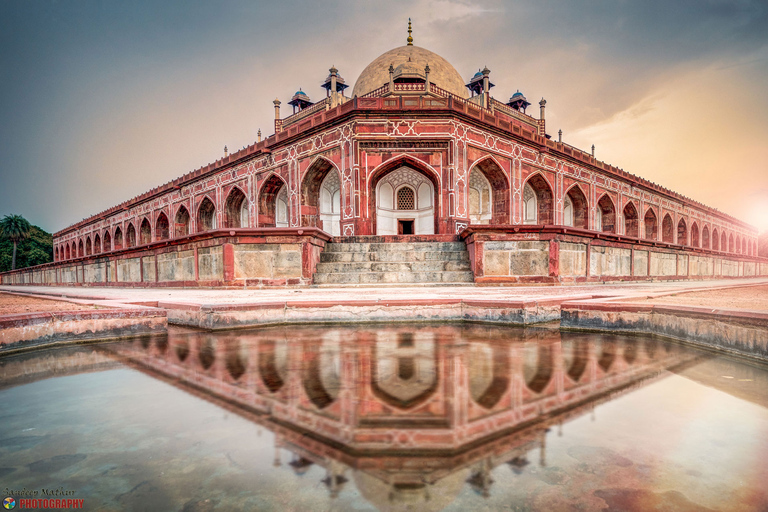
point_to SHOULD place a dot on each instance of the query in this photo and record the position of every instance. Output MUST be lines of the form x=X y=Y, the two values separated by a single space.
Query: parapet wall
x=544 y=254
x=289 y=256
x=224 y=258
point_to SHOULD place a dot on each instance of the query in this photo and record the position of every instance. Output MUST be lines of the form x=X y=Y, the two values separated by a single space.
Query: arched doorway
x=715 y=240
x=405 y=203
x=145 y=232
x=321 y=197
x=206 y=216
x=273 y=203
x=705 y=237
x=107 y=242
x=330 y=204
x=695 y=235
x=651 y=225
x=682 y=232
x=480 y=206
x=606 y=215
x=130 y=235
x=181 y=222
x=630 y=220
x=537 y=201
x=489 y=194
x=667 y=235
x=575 y=208
x=236 y=210
x=161 y=227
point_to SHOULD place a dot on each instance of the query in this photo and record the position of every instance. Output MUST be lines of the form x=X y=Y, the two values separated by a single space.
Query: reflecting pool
x=396 y=417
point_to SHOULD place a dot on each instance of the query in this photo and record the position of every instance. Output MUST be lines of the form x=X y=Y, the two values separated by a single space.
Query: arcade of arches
x=409 y=199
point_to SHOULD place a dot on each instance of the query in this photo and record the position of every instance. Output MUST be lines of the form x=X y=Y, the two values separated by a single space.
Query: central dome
x=441 y=72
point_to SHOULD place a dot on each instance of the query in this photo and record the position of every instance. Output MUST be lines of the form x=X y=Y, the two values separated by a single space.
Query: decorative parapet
x=309 y=111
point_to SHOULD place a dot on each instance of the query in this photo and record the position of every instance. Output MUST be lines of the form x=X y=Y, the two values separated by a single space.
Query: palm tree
x=15 y=228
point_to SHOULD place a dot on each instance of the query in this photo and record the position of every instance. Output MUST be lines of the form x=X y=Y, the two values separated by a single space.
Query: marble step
x=394 y=266
x=395 y=247
x=394 y=256
x=393 y=277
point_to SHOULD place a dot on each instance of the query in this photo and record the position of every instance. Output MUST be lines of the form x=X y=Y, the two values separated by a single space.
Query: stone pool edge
x=738 y=332
x=24 y=331
x=742 y=333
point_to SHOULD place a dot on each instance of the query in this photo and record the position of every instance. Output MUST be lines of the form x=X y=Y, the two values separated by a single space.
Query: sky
x=102 y=100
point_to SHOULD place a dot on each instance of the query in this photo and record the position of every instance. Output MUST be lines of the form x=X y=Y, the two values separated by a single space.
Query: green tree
x=15 y=228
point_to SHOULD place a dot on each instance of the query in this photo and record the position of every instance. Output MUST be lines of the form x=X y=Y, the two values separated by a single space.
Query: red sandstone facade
x=535 y=189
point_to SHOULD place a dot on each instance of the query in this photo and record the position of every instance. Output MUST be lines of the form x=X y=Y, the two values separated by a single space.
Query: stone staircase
x=374 y=260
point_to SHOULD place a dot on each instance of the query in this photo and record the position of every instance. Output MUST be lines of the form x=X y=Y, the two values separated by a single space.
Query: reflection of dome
x=441 y=72
x=410 y=496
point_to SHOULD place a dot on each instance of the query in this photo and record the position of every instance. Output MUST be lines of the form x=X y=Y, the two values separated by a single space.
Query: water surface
x=398 y=417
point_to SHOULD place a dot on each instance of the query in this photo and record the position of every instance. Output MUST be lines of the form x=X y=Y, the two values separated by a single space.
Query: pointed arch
x=651 y=225
x=269 y=210
x=694 y=234
x=715 y=240
x=80 y=249
x=494 y=173
x=273 y=364
x=667 y=230
x=682 y=232
x=118 y=238
x=606 y=214
x=56 y=253
x=107 y=241
x=409 y=162
x=723 y=242
x=181 y=222
x=538 y=366
x=539 y=208
x=130 y=235
x=236 y=209
x=488 y=373
x=68 y=254
x=575 y=354
x=162 y=228
x=578 y=214
x=311 y=185
x=96 y=244
x=145 y=232
x=206 y=215
x=630 y=220
x=88 y=246
x=705 y=237
x=731 y=245
x=321 y=376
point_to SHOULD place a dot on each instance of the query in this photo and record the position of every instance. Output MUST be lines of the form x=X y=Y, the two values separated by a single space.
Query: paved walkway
x=271 y=295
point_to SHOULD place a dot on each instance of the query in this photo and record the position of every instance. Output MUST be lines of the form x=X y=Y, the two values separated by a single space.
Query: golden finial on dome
x=410 y=39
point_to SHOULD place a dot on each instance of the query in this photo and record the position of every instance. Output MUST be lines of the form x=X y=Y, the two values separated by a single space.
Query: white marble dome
x=441 y=72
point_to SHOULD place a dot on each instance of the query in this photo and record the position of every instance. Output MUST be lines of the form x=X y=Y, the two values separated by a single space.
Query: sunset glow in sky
x=103 y=100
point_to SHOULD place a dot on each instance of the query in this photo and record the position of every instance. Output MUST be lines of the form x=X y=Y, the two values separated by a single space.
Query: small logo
x=9 y=503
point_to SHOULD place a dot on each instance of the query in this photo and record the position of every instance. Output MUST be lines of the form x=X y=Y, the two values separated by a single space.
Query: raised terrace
x=414 y=156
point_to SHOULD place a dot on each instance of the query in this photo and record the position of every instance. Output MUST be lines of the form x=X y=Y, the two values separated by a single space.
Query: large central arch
x=402 y=191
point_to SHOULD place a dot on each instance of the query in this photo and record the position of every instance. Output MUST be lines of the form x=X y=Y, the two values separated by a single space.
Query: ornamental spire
x=410 y=38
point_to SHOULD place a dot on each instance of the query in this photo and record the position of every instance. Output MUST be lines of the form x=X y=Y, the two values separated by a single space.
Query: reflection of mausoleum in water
x=412 y=151
x=410 y=414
